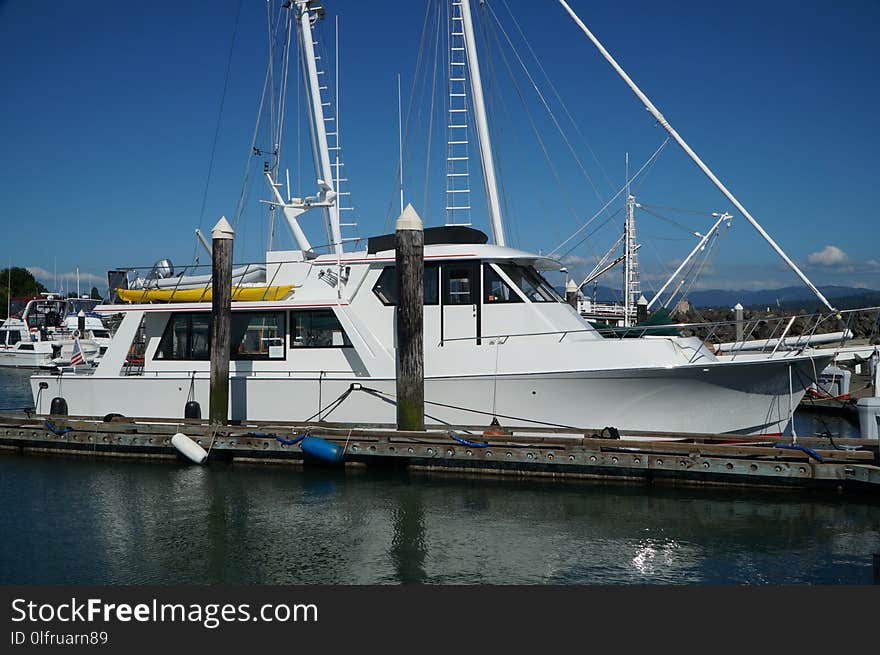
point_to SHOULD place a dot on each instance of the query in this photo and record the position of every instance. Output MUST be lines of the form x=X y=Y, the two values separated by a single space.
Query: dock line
x=809 y=451
x=56 y=430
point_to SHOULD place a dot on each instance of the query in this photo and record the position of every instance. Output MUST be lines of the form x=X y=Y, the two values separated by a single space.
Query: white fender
x=189 y=448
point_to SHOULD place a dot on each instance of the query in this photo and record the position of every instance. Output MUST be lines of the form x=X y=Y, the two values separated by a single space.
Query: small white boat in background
x=38 y=335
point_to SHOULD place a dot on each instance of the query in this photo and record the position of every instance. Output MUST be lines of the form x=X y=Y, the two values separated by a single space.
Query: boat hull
x=751 y=397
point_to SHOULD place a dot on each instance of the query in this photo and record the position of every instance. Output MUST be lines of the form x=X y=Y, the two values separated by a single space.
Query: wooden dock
x=704 y=459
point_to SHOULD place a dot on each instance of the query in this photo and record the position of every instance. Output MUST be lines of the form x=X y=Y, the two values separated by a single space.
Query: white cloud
x=828 y=256
x=85 y=279
x=577 y=260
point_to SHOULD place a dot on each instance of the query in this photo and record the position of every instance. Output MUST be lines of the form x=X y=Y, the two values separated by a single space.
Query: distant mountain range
x=797 y=297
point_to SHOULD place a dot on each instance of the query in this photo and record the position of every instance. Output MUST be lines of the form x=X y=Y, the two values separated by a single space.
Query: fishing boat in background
x=37 y=335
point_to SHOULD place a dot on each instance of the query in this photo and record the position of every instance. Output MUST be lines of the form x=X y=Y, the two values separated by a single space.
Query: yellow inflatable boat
x=203 y=294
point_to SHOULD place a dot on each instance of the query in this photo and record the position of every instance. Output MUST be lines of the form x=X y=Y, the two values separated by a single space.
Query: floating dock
x=839 y=464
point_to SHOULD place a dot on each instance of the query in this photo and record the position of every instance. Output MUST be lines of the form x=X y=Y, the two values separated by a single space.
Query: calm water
x=76 y=520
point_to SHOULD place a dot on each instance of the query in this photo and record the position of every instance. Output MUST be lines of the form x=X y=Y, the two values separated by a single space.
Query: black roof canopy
x=444 y=234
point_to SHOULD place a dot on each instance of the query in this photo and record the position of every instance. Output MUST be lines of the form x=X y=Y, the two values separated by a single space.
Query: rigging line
x=679 y=209
x=669 y=220
x=589 y=234
x=559 y=97
x=426 y=206
x=613 y=198
x=496 y=128
x=247 y=168
x=660 y=238
x=687 y=274
x=546 y=106
x=706 y=259
x=410 y=104
x=546 y=154
x=271 y=38
x=219 y=115
x=282 y=95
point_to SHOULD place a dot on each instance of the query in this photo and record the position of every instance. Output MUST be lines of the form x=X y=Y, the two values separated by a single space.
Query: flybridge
x=442 y=235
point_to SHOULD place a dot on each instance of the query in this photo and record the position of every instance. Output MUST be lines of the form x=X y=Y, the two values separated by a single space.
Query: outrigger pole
x=699 y=162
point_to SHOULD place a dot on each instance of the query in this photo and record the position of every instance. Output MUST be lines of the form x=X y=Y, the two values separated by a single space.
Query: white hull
x=25 y=359
x=685 y=399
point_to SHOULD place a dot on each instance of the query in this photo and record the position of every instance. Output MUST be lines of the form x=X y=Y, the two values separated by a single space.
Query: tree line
x=17 y=282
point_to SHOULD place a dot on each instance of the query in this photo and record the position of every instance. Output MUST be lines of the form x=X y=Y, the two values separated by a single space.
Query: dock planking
x=663 y=458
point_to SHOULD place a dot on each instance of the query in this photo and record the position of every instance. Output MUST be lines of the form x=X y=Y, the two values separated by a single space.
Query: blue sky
x=109 y=114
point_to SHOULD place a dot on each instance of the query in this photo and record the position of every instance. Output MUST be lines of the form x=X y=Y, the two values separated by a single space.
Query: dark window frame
x=432 y=271
x=474 y=275
x=516 y=297
x=259 y=357
x=233 y=355
x=164 y=340
x=304 y=346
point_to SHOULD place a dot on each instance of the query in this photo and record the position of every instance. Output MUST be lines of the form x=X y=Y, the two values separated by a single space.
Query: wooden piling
x=641 y=310
x=410 y=250
x=738 y=313
x=221 y=316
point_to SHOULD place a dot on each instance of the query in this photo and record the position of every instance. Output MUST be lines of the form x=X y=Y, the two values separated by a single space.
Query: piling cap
x=642 y=300
x=571 y=287
x=223 y=230
x=81 y=314
x=409 y=220
x=738 y=307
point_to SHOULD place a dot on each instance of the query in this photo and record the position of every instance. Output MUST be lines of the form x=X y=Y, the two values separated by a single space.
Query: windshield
x=85 y=304
x=535 y=287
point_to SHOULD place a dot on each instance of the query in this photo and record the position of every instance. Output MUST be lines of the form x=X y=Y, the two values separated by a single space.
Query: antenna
x=400 y=142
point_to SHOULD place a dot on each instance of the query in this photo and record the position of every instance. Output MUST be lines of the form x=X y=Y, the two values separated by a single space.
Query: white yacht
x=498 y=341
x=35 y=335
x=94 y=330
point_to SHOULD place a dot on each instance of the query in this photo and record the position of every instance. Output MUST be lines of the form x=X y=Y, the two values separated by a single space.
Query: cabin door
x=460 y=299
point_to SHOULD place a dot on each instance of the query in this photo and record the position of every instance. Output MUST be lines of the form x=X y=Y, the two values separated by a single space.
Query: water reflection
x=124 y=522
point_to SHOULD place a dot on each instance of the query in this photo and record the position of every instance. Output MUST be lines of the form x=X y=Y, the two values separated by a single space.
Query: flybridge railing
x=767 y=334
x=760 y=335
x=244 y=276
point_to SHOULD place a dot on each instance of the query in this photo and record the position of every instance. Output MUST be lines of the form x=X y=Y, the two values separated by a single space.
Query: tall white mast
x=322 y=147
x=488 y=164
x=684 y=146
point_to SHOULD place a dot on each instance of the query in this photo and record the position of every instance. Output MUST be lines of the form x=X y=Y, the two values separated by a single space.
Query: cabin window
x=461 y=283
x=535 y=287
x=258 y=335
x=386 y=286
x=26 y=346
x=253 y=336
x=186 y=336
x=496 y=290
x=13 y=336
x=317 y=329
x=101 y=334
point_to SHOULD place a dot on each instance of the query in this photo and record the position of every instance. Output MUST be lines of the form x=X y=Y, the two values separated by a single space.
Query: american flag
x=76 y=357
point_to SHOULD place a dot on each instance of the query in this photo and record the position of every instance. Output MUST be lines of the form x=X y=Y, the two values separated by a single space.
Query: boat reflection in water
x=136 y=523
